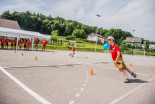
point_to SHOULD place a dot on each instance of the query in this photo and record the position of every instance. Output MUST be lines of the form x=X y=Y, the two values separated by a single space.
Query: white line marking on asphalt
x=130 y=92
x=82 y=89
x=146 y=75
x=86 y=81
x=84 y=84
x=77 y=95
x=31 y=92
x=71 y=102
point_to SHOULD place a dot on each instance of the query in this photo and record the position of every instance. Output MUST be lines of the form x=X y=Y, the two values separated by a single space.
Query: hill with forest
x=59 y=26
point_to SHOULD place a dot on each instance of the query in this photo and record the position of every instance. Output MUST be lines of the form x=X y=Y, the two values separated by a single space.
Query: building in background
x=94 y=37
x=9 y=24
x=134 y=40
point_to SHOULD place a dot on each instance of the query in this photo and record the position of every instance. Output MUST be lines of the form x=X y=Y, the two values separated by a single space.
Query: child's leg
x=132 y=73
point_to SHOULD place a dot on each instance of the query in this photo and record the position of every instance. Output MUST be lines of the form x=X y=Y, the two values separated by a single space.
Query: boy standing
x=117 y=59
x=15 y=42
x=11 y=43
x=6 y=43
x=2 y=43
x=25 y=45
x=36 y=43
x=20 y=43
x=44 y=44
x=28 y=44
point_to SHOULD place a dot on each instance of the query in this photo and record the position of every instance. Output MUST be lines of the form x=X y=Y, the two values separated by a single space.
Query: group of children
x=27 y=43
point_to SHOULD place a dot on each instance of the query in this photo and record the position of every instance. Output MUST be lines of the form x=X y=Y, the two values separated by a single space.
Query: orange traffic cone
x=86 y=57
x=91 y=72
x=130 y=64
x=53 y=52
x=22 y=54
x=15 y=51
x=69 y=55
x=36 y=58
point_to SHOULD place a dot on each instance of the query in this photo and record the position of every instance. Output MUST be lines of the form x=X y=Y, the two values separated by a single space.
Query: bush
x=70 y=37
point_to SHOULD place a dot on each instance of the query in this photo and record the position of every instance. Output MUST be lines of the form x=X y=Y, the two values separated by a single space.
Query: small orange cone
x=15 y=51
x=53 y=52
x=91 y=72
x=130 y=64
x=86 y=57
x=69 y=55
x=22 y=54
x=36 y=58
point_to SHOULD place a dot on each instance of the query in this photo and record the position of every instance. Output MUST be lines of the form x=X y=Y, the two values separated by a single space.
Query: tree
x=79 y=33
x=54 y=35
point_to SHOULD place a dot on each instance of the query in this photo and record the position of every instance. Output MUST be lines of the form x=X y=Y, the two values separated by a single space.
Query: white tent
x=22 y=34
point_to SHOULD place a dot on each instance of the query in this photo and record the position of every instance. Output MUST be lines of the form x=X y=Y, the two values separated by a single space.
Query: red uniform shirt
x=20 y=42
x=73 y=49
x=24 y=43
x=114 y=51
x=37 y=41
x=44 y=42
x=11 y=42
x=6 y=40
x=28 y=43
x=15 y=42
x=2 y=42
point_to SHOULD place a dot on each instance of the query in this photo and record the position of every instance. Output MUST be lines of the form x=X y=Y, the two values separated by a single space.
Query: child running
x=73 y=50
x=117 y=59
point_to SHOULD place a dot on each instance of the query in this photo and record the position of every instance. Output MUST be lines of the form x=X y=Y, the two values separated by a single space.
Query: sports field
x=56 y=78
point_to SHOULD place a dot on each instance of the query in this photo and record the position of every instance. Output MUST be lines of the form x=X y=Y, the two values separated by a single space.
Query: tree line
x=58 y=26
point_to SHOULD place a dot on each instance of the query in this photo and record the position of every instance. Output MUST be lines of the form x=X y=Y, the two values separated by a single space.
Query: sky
x=128 y=15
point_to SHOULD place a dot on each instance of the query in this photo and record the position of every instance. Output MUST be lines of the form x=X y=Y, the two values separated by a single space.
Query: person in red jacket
x=6 y=42
x=28 y=44
x=36 y=43
x=11 y=43
x=117 y=59
x=44 y=44
x=25 y=45
x=15 y=42
x=20 y=43
x=2 y=43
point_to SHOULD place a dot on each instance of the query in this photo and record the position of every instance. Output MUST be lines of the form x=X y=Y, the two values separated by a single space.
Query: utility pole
x=97 y=30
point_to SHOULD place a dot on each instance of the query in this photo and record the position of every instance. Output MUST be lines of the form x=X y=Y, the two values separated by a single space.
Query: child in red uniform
x=36 y=43
x=6 y=42
x=20 y=43
x=12 y=44
x=117 y=59
x=28 y=44
x=25 y=45
x=15 y=42
x=44 y=44
x=2 y=43
x=73 y=50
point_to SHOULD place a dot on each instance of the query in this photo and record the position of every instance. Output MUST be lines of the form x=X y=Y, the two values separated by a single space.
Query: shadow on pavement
x=138 y=81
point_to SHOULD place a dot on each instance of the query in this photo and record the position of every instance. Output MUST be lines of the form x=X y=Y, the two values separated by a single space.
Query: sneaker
x=133 y=74
x=126 y=81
